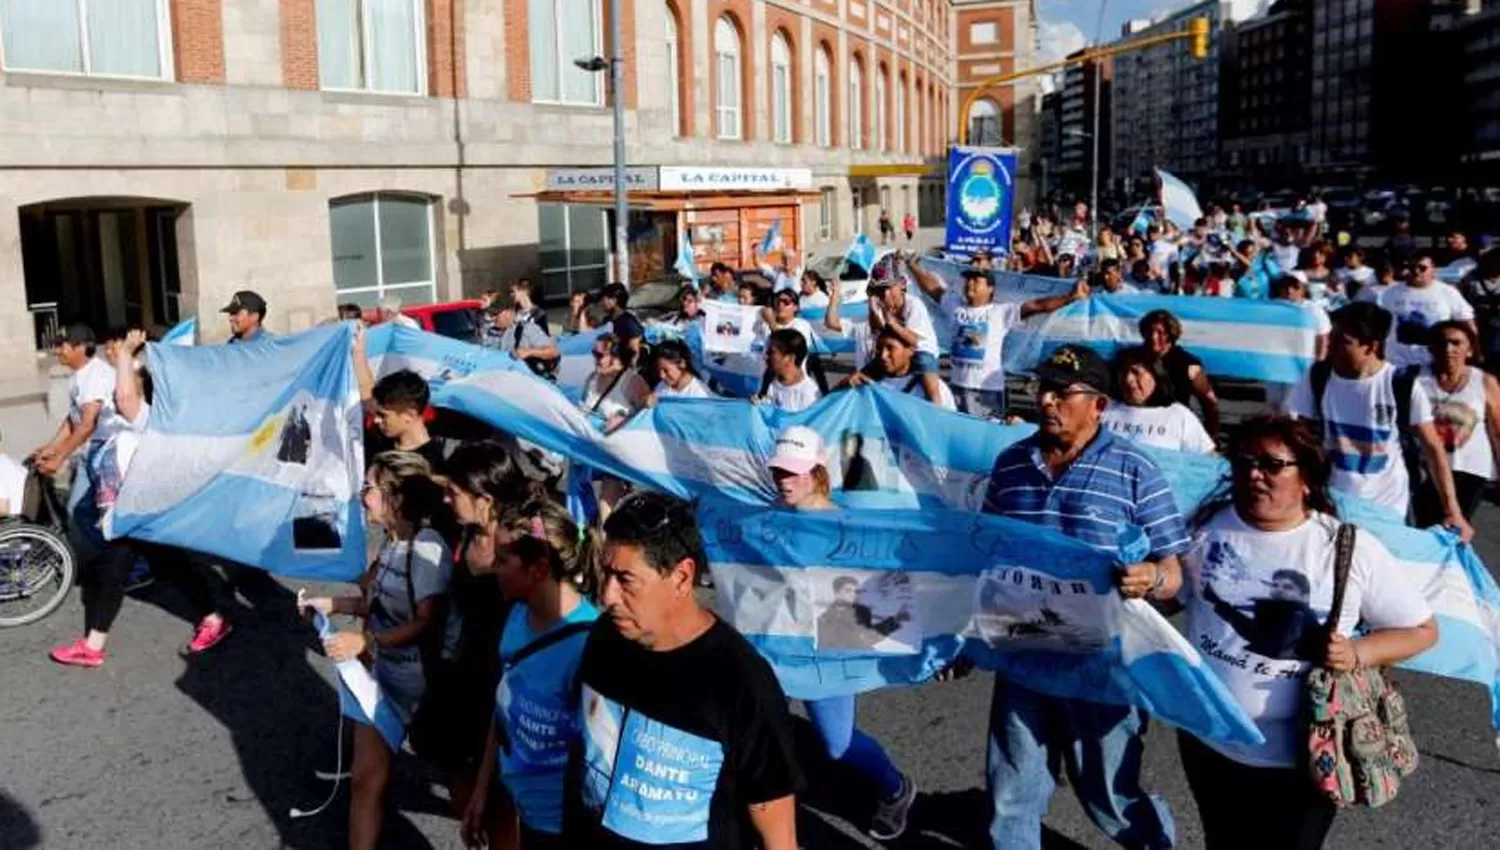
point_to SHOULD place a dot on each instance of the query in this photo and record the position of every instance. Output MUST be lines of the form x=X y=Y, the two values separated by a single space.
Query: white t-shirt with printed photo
x=1415 y=309
x=978 y=337
x=1256 y=602
x=1362 y=435
x=795 y=398
x=1172 y=427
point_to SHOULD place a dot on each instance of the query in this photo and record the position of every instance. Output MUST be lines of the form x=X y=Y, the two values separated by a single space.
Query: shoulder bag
x=1359 y=745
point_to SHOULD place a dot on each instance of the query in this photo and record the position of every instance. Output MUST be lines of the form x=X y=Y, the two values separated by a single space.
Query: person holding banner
x=674 y=363
x=979 y=329
x=908 y=319
x=1258 y=587
x=674 y=701
x=895 y=367
x=1075 y=477
x=614 y=391
x=799 y=466
x=790 y=388
x=406 y=630
x=548 y=567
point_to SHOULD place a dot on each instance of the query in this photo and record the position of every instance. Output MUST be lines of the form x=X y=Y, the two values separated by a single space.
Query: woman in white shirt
x=614 y=391
x=1144 y=411
x=1258 y=583
x=814 y=291
x=674 y=363
x=1466 y=412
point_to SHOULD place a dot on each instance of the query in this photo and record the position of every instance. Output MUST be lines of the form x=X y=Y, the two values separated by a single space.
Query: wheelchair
x=37 y=563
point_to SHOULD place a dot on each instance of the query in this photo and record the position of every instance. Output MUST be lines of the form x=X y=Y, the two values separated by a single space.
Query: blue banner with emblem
x=981 y=195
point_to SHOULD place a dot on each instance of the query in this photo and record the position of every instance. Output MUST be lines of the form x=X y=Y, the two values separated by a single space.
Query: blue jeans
x=834 y=719
x=83 y=506
x=1100 y=746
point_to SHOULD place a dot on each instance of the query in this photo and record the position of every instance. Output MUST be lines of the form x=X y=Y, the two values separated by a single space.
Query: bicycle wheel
x=36 y=571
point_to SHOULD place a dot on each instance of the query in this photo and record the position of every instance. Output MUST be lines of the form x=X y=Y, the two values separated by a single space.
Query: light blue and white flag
x=360 y=697
x=1235 y=338
x=1142 y=221
x=1454 y=272
x=1178 y=202
x=182 y=333
x=253 y=453
x=686 y=265
x=772 y=241
x=861 y=252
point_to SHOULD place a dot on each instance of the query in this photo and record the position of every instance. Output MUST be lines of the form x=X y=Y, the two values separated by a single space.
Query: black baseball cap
x=1074 y=364
x=246 y=300
x=76 y=334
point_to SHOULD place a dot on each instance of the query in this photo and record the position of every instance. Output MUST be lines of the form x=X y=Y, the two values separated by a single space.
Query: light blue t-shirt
x=537 y=708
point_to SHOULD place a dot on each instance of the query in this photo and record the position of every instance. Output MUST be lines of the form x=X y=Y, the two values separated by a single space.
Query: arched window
x=856 y=104
x=901 y=113
x=781 y=90
x=727 y=78
x=823 y=97
x=880 y=109
x=674 y=85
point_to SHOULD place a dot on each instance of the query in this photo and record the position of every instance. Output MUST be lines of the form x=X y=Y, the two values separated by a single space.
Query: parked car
x=460 y=320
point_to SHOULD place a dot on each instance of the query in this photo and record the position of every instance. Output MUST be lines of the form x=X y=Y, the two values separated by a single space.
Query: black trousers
x=1427 y=506
x=1253 y=808
x=103 y=582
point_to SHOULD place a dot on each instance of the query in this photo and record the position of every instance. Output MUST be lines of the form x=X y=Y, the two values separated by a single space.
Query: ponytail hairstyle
x=419 y=498
x=542 y=530
x=817 y=280
x=675 y=351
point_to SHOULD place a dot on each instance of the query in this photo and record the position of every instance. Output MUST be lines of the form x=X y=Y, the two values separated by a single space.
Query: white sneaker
x=890 y=815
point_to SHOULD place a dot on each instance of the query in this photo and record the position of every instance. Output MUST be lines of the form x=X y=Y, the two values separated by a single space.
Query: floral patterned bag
x=1359 y=745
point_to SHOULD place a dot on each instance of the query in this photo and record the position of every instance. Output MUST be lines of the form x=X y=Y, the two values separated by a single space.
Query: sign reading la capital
x=981 y=196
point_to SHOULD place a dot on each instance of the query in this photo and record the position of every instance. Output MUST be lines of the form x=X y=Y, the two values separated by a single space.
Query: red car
x=459 y=320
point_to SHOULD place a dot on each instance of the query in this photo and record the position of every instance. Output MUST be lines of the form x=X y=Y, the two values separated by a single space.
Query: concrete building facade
x=991 y=38
x=1266 y=96
x=160 y=154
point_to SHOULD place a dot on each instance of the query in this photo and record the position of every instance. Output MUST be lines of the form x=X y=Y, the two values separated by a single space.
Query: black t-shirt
x=1179 y=365
x=627 y=326
x=675 y=746
x=435 y=450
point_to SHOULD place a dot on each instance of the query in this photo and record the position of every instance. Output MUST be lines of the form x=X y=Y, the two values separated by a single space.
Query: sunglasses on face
x=1269 y=464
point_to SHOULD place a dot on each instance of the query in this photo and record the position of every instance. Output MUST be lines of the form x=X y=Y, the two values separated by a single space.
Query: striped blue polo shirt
x=1110 y=484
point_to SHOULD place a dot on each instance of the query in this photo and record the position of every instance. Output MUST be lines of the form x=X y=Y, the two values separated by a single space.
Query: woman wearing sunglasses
x=614 y=391
x=407 y=631
x=799 y=467
x=1258 y=584
x=547 y=568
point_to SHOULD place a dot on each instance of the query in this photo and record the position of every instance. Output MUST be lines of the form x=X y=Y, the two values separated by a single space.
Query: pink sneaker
x=77 y=654
x=208 y=634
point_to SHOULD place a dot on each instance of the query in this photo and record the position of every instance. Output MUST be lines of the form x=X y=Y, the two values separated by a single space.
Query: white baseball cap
x=798 y=450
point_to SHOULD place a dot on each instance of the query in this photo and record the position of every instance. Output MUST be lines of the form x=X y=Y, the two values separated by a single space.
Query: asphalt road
x=157 y=751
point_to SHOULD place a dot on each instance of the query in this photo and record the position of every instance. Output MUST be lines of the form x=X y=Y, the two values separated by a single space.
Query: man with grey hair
x=390 y=311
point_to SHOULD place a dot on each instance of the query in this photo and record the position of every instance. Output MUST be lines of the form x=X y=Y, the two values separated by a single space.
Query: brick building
x=990 y=38
x=160 y=154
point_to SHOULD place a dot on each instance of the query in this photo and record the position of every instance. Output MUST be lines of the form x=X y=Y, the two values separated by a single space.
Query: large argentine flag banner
x=1267 y=341
x=253 y=453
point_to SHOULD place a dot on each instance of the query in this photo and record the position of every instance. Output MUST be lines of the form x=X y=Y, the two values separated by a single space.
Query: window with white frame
x=984 y=123
x=382 y=245
x=826 y=201
x=856 y=105
x=901 y=114
x=880 y=110
x=982 y=33
x=781 y=90
x=727 y=78
x=822 y=92
x=674 y=85
x=372 y=45
x=560 y=31
x=102 y=38
x=573 y=248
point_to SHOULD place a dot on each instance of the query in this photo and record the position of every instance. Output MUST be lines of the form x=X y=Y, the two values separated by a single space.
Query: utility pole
x=617 y=93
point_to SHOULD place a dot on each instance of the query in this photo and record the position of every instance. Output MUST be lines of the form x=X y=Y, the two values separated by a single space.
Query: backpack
x=1402 y=384
x=543 y=367
x=1359 y=744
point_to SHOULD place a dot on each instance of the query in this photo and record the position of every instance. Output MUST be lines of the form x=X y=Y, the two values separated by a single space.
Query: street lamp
x=1094 y=169
x=616 y=66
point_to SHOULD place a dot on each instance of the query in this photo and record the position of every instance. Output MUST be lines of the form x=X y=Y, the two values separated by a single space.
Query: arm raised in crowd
x=1080 y=291
x=128 y=399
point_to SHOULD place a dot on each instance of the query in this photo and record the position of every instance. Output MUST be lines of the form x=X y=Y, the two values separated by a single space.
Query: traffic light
x=1198 y=38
